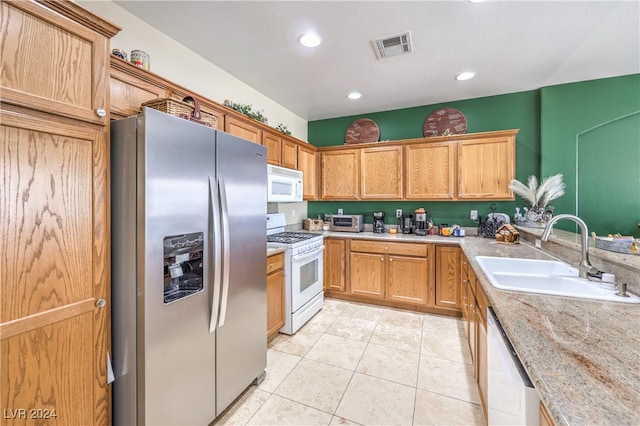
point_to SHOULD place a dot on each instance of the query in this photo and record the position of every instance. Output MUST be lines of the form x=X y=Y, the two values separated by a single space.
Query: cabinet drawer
x=407 y=249
x=275 y=262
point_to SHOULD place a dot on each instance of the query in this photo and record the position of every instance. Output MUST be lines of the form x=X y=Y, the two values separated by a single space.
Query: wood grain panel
x=51 y=63
x=273 y=143
x=243 y=130
x=46 y=227
x=275 y=303
x=335 y=264
x=430 y=171
x=340 y=175
x=407 y=279
x=308 y=166
x=448 y=276
x=408 y=249
x=485 y=168
x=65 y=351
x=381 y=173
x=289 y=154
x=367 y=275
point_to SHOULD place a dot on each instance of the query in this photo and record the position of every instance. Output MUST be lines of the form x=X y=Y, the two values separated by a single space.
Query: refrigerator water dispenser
x=183 y=268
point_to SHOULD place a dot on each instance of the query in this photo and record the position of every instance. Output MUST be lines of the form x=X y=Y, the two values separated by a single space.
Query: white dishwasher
x=512 y=399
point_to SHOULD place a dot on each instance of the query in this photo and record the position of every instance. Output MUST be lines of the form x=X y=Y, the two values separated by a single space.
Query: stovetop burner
x=290 y=237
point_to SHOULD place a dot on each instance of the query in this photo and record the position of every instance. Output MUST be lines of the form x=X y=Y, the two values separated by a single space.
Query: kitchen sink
x=546 y=277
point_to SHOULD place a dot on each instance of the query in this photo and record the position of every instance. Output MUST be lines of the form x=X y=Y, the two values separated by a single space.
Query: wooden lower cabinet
x=396 y=272
x=448 y=277
x=367 y=275
x=474 y=310
x=335 y=261
x=275 y=294
x=407 y=279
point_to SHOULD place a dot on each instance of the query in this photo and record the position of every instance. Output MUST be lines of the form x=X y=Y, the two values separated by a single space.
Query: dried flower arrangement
x=538 y=197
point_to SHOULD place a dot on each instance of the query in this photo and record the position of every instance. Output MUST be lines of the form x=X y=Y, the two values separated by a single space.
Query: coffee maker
x=378 y=222
x=406 y=223
x=422 y=225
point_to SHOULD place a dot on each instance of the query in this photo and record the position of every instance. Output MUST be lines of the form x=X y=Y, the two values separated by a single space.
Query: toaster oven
x=347 y=222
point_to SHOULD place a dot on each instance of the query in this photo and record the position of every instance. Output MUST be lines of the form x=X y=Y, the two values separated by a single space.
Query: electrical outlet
x=340 y=211
x=473 y=215
x=398 y=213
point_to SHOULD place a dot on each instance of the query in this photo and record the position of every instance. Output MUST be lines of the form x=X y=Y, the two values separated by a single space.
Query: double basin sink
x=546 y=277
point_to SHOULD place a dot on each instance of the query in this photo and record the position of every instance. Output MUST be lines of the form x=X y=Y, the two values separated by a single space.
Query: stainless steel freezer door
x=241 y=340
x=174 y=165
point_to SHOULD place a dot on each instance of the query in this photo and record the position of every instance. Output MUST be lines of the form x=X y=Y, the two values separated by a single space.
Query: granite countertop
x=271 y=251
x=583 y=356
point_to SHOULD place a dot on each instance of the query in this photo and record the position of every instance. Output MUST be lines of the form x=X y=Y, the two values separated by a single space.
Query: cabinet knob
x=390 y=259
x=382 y=259
x=101 y=303
x=100 y=112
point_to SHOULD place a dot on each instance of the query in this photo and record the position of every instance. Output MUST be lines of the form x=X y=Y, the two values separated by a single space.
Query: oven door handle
x=306 y=255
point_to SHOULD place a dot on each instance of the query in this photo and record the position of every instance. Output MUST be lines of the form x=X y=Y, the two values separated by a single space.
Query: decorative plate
x=363 y=130
x=444 y=122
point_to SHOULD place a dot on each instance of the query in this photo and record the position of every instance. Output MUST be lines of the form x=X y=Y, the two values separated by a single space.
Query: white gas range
x=303 y=263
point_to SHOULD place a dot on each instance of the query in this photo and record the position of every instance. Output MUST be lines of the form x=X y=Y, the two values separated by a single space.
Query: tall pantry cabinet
x=54 y=214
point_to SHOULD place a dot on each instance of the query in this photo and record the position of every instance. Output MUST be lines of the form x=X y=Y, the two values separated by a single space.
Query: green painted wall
x=513 y=111
x=590 y=132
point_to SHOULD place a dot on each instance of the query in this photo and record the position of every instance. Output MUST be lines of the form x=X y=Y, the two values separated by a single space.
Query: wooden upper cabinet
x=485 y=168
x=242 y=129
x=55 y=64
x=130 y=87
x=340 y=174
x=381 y=174
x=273 y=143
x=289 y=154
x=430 y=170
x=307 y=165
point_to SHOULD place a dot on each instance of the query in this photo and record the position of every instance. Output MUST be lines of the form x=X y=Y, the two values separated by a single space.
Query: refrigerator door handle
x=222 y=188
x=217 y=255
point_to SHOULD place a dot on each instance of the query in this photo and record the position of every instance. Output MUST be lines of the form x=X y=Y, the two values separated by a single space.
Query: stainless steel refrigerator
x=188 y=269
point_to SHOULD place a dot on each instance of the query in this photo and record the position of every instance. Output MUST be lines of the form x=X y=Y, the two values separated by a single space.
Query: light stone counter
x=583 y=356
x=275 y=250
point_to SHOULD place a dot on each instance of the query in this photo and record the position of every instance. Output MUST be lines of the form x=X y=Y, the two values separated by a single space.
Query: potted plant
x=538 y=196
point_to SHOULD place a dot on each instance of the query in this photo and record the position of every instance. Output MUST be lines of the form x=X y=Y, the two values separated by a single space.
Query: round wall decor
x=363 y=130
x=444 y=122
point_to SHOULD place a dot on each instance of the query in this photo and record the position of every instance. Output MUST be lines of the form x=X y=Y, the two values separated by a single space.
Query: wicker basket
x=188 y=108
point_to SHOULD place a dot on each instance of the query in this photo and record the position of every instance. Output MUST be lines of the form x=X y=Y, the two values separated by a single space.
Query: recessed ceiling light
x=310 y=40
x=477 y=1
x=354 y=95
x=465 y=75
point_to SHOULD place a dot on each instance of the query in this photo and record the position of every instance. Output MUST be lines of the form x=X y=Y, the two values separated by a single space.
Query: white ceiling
x=512 y=45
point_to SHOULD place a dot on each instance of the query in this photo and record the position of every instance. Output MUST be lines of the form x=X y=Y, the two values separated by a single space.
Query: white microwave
x=283 y=185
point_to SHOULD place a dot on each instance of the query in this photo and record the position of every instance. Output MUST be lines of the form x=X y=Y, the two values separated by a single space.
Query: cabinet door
x=485 y=168
x=335 y=264
x=482 y=363
x=473 y=332
x=289 y=154
x=54 y=253
x=367 y=274
x=381 y=174
x=52 y=63
x=307 y=165
x=273 y=143
x=430 y=171
x=340 y=174
x=407 y=279
x=448 y=276
x=275 y=303
x=242 y=129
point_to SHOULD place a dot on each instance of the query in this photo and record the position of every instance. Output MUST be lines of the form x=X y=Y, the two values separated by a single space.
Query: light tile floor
x=361 y=364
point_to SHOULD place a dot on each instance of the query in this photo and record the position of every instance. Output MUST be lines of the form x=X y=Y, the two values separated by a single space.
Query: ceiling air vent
x=398 y=44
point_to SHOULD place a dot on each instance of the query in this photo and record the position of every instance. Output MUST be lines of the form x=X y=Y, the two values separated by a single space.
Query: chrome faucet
x=585 y=267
